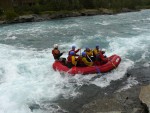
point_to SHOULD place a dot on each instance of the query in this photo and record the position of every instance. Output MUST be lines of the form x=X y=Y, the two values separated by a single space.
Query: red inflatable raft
x=110 y=65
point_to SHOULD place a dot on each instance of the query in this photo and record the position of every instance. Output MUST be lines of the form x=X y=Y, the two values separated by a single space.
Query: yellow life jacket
x=89 y=53
x=73 y=60
x=96 y=51
x=87 y=63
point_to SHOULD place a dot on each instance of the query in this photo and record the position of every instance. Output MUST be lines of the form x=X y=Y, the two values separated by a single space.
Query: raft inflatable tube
x=113 y=63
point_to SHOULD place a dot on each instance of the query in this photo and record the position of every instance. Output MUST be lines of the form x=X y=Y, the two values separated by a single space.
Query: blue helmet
x=72 y=53
x=83 y=53
x=97 y=46
x=73 y=46
x=87 y=49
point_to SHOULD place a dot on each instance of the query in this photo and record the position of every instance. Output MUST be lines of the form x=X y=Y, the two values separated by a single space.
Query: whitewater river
x=28 y=83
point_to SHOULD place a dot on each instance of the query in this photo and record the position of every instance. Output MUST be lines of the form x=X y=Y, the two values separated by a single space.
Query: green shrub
x=36 y=9
x=1 y=12
x=10 y=15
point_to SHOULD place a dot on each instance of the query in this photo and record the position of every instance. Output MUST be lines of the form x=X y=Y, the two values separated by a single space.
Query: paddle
x=98 y=70
x=89 y=58
x=110 y=60
x=80 y=52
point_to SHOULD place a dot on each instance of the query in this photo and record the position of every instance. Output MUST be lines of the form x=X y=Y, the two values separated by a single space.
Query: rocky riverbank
x=62 y=14
x=111 y=99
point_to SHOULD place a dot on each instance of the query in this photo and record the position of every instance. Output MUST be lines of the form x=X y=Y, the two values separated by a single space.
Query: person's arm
x=87 y=62
x=53 y=52
x=59 y=55
x=77 y=50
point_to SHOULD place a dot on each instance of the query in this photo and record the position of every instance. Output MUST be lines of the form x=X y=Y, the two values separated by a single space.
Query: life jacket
x=101 y=58
x=95 y=52
x=71 y=61
x=55 y=53
x=86 y=62
x=80 y=62
x=75 y=51
x=89 y=53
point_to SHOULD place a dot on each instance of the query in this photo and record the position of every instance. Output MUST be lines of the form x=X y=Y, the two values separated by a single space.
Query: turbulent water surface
x=26 y=74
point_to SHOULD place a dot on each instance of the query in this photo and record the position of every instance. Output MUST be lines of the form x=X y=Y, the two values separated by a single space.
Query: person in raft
x=96 y=51
x=84 y=62
x=56 y=53
x=99 y=56
x=71 y=60
x=89 y=54
x=73 y=49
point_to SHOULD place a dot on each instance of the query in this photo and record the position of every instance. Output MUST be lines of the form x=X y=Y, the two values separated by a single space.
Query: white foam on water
x=123 y=46
x=27 y=78
x=116 y=74
x=129 y=83
x=104 y=23
x=146 y=64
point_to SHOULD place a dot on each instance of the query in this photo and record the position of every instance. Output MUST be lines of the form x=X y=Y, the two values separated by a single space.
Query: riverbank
x=63 y=14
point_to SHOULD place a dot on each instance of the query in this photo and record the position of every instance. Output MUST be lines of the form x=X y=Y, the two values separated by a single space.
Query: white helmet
x=55 y=45
x=103 y=49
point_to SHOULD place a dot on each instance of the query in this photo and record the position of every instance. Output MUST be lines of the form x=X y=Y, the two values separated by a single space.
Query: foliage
x=1 y=12
x=10 y=14
x=71 y=5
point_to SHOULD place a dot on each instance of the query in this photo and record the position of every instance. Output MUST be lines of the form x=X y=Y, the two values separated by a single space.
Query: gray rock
x=89 y=12
x=2 y=22
x=75 y=14
x=111 y=112
x=126 y=10
x=26 y=18
x=104 y=105
x=137 y=110
x=106 y=11
x=145 y=95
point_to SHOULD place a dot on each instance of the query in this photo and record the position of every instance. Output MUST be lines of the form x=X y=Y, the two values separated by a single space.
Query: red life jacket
x=69 y=59
x=55 y=53
x=102 y=58
x=75 y=51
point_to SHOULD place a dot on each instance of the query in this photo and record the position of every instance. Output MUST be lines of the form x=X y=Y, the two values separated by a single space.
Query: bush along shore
x=12 y=17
